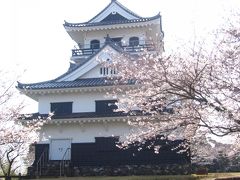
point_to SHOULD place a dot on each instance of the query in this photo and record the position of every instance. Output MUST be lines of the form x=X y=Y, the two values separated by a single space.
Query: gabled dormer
x=131 y=32
x=115 y=11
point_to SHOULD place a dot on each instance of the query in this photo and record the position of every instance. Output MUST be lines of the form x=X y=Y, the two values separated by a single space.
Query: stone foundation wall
x=173 y=169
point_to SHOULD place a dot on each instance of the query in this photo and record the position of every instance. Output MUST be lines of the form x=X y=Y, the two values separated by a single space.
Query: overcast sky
x=33 y=38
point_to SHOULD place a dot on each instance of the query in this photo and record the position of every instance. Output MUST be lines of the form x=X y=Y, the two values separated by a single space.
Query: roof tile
x=87 y=24
x=88 y=82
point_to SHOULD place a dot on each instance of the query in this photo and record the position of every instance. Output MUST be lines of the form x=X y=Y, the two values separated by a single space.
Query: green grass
x=187 y=177
x=210 y=176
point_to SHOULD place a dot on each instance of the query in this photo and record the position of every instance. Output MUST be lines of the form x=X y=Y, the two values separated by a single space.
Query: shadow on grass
x=210 y=176
x=185 y=177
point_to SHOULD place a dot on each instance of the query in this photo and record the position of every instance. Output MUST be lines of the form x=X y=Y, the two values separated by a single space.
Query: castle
x=85 y=128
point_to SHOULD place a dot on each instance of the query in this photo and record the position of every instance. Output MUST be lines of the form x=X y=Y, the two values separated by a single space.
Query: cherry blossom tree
x=184 y=95
x=16 y=134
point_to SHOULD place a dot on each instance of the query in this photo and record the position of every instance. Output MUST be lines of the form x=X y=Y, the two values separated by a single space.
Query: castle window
x=133 y=41
x=95 y=44
x=117 y=41
x=107 y=71
x=61 y=108
x=105 y=106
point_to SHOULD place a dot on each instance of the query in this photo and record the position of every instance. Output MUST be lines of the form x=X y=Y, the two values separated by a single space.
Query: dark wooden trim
x=104 y=152
x=128 y=48
x=39 y=149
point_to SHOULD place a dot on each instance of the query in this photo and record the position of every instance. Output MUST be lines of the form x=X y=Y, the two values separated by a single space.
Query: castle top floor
x=121 y=26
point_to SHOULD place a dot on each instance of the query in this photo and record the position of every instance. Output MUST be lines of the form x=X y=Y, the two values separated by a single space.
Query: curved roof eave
x=26 y=85
x=86 y=24
x=100 y=82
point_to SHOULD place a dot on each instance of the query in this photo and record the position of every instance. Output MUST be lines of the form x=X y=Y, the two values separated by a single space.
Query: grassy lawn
x=210 y=176
x=189 y=177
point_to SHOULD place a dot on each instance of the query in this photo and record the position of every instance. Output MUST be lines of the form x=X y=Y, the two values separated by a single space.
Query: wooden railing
x=139 y=48
x=42 y=161
x=64 y=161
x=127 y=48
x=83 y=52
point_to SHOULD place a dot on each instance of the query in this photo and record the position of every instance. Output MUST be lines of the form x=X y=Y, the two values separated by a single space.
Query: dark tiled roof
x=90 y=115
x=78 y=115
x=73 y=68
x=88 y=82
x=114 y=46
x=87 y=24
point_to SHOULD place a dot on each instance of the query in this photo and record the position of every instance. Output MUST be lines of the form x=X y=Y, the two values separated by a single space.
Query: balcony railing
x=127 y=48
x=83 y=52
x=139 y=48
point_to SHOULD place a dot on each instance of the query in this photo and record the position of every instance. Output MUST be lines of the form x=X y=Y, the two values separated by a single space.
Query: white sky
x=33 y=38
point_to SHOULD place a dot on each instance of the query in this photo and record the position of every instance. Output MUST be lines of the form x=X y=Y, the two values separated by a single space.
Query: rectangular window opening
x=106 y=106
x=61 y=108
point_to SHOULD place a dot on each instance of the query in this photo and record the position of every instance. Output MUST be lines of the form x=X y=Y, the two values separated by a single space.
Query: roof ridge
x=101 y=11
x=55 y=79
x=115 y=1
x=117 y=48
x=128 y=10
x=87 y=24
x=79 y=83
x=77 y=66
x=107 y=43
x=19 y=84
x=119 y=4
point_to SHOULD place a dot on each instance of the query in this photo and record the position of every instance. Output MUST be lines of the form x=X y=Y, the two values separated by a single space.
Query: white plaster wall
x=94 y=73
x=82 y=102
x=80 y=133
x=144 y=33
x=77 y=36
x=91 y=64
x=126 y=33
